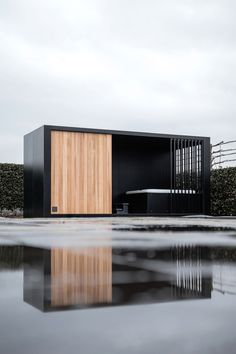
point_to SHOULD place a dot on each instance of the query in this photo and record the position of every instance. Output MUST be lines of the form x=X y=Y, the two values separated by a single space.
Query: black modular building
x=91 y=172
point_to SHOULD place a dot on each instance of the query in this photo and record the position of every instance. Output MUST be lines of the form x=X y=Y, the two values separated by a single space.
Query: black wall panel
x=34 y=173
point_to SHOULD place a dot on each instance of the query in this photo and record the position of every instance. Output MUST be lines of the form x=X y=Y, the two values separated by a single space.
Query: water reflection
x=64 y=278
x=11 y=257
x=82 y=276
x=199 y=281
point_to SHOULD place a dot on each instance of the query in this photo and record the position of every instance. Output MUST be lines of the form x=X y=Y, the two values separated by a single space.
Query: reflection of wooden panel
x=81 y=173
x=82 y=276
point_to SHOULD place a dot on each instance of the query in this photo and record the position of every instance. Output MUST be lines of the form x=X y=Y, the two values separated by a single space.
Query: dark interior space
x=139 y=163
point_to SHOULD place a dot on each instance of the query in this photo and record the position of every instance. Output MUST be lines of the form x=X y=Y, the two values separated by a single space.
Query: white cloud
x=162 y=66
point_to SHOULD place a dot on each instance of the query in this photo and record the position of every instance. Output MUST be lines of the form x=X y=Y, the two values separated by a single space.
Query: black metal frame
x=37 y=168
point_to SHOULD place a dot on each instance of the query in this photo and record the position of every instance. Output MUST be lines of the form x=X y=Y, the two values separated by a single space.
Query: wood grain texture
x=81 y=276
x=81 y=173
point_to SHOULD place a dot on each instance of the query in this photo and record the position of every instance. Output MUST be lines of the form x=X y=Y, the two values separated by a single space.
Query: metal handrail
x=223 y=150
x=218 y=163
x=220 y=153
x=216 y=157
x=224 y=142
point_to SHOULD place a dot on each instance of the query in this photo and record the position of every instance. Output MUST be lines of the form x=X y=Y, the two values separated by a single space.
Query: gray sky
x=161 y=66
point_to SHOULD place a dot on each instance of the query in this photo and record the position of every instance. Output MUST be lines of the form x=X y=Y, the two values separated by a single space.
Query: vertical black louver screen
x=186 y=175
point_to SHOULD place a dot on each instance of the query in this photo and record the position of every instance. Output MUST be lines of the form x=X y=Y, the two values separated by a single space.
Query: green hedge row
x=223 y=191
x=11 y=186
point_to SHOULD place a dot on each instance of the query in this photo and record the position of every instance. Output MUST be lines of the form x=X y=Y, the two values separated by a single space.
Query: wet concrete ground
x=154 y=231
x=118 y=285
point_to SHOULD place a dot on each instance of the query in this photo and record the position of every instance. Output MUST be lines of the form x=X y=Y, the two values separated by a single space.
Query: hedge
x=223 y=191
x=11 y=186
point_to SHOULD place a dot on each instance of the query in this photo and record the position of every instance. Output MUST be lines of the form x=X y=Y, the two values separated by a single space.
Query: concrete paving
x=118 y=231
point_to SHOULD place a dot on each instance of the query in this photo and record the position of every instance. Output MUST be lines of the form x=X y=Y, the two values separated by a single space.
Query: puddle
x=173 y=228
x=179 y=297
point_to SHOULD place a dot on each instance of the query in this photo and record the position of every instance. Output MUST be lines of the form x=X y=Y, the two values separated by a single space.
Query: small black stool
x=122 y=208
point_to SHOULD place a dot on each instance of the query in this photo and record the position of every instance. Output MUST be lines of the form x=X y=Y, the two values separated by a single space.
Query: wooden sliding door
x=81 y=173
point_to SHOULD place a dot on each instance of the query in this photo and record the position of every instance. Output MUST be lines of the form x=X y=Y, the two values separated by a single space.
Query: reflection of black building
x=58 y=279
x=37 y=270
x=64 y=278
x=161 y=276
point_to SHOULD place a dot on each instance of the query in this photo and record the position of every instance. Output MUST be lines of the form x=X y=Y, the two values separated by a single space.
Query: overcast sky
x=161 y=66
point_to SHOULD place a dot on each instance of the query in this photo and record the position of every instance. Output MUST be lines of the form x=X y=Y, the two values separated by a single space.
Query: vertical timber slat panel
x=81 y=173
